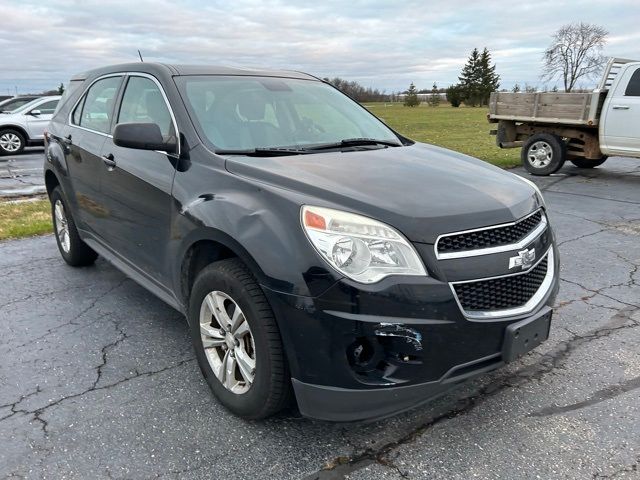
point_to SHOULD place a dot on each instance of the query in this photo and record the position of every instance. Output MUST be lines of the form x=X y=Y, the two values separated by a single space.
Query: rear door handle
x=621 y=107
x=109 y=161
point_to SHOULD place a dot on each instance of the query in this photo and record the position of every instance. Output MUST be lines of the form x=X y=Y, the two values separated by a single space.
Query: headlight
x=361 y=248
x=535 y=187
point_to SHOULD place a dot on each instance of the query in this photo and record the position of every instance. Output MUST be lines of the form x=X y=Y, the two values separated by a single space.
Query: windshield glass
x=26 y=106
x=14 y=104
x=245 y=113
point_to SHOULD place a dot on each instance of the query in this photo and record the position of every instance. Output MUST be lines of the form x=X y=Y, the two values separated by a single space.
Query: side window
x=143 y=102
x=97 y=105
x=47 y=108
x=633 y=88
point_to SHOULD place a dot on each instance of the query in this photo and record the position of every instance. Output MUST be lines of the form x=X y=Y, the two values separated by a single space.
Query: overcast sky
x=383 y=44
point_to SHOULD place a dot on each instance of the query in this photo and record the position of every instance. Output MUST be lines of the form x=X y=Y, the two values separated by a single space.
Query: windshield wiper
x=355 y=142
x=263 y=152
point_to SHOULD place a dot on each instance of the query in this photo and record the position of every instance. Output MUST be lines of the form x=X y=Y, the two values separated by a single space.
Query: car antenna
x=140 y=55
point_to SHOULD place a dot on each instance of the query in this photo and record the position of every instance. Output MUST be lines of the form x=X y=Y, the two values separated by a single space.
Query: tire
x=73 y=250
x=543 y=154
x=12 y=142
x=584 y=163
x=230 y=283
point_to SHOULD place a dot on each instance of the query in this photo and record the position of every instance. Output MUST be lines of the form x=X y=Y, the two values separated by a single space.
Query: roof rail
x=613 y=68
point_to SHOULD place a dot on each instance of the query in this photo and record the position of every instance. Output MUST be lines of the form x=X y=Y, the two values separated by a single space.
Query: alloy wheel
x=228 y=342
x=62 y=226
x=540 y=154
x=10 y=142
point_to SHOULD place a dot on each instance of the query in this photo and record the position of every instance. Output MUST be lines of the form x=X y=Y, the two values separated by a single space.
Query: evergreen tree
x=470 y=79
x=454 y=95
x=489 y=79
x=516 y=88
x=411 y=99
x=434 y=98
x=61 y=89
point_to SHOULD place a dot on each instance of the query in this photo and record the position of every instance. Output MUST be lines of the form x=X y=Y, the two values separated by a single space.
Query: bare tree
x=575 y=53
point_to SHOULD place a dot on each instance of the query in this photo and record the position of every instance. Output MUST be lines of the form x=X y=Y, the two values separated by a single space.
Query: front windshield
x=247 y=113
x=25 y=106
x=14 y=104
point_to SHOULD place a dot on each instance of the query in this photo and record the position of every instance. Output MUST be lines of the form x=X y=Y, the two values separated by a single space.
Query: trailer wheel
x=584 y=163
x=543 y=154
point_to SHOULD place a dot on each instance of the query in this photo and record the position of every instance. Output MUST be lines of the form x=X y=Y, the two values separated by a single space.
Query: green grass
x=24 y=219
x=463 y=129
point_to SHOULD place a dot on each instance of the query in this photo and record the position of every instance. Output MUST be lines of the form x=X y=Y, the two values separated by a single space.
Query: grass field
x=463 y=129
x=24 y=219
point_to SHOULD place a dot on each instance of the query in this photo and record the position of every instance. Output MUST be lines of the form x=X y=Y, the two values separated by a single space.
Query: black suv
x=314 y=251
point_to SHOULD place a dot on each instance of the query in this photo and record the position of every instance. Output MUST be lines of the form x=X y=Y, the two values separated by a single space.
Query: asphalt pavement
x=21 y=175
x=98 y=377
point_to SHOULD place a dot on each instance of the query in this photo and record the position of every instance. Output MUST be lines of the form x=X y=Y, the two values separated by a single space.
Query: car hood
x=422 y=190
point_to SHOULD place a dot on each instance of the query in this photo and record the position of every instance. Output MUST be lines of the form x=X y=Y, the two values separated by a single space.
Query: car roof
x=177 y=70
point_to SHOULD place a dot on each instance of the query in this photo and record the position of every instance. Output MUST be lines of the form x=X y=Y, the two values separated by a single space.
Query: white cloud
x=381 y=44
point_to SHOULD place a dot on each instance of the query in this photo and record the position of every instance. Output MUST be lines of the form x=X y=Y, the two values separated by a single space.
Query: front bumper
x=364 y=351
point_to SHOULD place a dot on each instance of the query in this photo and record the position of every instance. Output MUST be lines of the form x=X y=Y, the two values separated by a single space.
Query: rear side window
x=633 y=88
x=143 y=102
x=97 y=105
x=69 y=90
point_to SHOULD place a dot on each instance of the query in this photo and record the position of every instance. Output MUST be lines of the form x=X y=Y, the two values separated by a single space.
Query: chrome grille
x=489 y=237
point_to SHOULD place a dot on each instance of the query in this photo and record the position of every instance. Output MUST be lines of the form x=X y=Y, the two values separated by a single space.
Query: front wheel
x=237 y=341
x=584 y=163
x=12 y=142
x=73 y=250
x=543 y=154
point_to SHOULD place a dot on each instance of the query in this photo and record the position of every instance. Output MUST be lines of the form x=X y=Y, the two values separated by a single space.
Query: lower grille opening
x=501 y=293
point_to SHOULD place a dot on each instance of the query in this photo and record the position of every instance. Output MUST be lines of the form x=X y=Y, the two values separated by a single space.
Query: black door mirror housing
x=142 y=136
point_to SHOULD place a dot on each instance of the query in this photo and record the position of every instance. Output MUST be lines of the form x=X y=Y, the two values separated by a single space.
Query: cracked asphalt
x=99 y=381
x=21 y=175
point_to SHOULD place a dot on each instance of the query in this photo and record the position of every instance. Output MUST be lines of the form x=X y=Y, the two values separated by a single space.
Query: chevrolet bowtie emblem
x=524 y=259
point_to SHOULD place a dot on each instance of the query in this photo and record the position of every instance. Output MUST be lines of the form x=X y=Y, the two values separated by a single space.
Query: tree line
x=574 y=54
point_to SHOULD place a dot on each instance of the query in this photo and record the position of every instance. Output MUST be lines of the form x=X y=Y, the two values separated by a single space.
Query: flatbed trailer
x=584 y=128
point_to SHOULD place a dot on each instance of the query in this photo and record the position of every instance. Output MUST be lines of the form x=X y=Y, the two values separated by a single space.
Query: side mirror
x=142 y=136
x=35 y=113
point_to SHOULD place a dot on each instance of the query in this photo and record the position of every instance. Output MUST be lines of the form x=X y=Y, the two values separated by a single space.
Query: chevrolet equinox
x=317 y=254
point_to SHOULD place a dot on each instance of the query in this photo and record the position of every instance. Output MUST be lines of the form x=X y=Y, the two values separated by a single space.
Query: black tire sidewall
x=584 y=163
x=251 y=403
x=558 y=149
x=22 y=142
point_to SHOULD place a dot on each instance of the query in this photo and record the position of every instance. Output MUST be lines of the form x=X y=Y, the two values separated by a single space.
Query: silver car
x=25 y=126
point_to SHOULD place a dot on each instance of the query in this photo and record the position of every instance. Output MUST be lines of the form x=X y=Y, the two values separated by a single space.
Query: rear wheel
x=237 y=341
x=585 y=163
x=11 y=142
x=73 y=250
x=543 y=154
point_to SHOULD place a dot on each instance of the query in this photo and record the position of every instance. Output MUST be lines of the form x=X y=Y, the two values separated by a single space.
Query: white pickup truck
x=584 y=128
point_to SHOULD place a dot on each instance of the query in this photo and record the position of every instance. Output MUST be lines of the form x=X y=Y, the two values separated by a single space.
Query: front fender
x=261 y=226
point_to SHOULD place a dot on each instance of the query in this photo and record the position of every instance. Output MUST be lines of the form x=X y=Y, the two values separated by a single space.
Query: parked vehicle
x=25 y=125
x=16 y=102
x=313 y=249
x=584 y=128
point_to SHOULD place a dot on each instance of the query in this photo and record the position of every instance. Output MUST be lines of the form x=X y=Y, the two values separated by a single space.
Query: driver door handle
x=621 y=107
x=109 y=161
